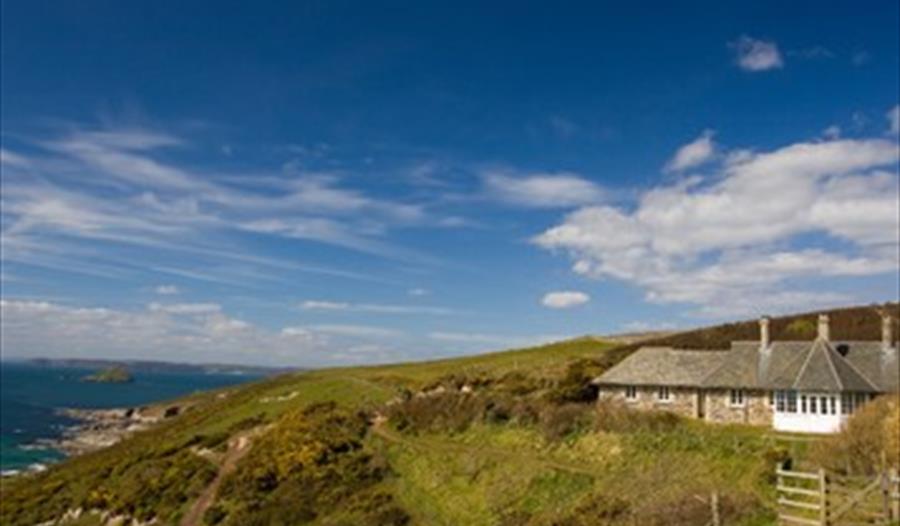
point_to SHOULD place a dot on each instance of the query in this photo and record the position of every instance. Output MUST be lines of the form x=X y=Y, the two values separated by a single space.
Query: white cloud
x=418 y=292
x=541 y=190
x=893 y=116
x=167 y=290
x=375 y=308
x=9 y=158
x=757 y=55
x=185 y=308
x=363 y=331
x=121 y=186
x=727 y=243
x=700 y=150
x=324 y=305
x=564 y=299
x=184 y=333
x=832 y=132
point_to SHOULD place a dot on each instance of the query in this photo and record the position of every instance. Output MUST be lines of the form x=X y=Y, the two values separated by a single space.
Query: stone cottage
x=796 y=386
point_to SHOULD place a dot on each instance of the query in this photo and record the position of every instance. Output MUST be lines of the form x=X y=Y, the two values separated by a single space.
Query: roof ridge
x=862 y=375
x=809 y=354
x=829 y=351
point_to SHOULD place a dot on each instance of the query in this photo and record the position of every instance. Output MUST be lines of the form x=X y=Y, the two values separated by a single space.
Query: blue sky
x=322 y=183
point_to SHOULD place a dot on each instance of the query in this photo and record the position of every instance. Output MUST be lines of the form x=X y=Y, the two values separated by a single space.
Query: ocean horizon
x=31 y=396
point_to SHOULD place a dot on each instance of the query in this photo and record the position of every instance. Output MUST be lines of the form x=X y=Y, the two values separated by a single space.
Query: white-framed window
x=630 y=393
x=780 y=402
x=737 y=398
x=792 y=401
x=663 y=394
x=846 y=403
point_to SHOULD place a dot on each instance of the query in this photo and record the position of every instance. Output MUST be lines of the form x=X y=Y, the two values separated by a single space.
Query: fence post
x=823 y=498
x=714 y=504
x=894 y=493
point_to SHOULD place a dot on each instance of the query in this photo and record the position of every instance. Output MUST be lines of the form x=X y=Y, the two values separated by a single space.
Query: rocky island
x=111 y=375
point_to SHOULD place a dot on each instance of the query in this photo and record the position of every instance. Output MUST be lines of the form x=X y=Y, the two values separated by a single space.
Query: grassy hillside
x=502 y=438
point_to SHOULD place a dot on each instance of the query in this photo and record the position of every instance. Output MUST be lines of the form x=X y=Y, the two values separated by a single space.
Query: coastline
x=95 y=429
x=99 y=428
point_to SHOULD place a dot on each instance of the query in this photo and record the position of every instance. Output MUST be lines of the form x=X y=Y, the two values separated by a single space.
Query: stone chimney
x=887 y=332
x=824 y=333
x=765 y=339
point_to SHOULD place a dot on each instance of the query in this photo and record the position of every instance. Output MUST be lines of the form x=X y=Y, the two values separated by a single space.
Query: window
x=823 y=405
x=803 y=407
x=663 y=394
x=737 y=397
x=846 y=403
x=780 y=405
x=812 y=404
x=833 y=400
x=631 y=392
x=792 y=401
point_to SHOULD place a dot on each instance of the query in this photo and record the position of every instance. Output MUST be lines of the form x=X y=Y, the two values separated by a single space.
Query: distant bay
x=31 y=394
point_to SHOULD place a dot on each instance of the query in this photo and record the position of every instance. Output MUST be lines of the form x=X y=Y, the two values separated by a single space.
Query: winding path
x=237 y=448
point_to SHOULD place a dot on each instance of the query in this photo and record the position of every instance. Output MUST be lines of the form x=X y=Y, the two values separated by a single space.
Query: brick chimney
x=824 y=333
x=765 y=339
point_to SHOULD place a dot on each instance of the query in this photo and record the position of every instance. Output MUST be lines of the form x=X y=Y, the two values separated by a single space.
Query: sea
x=31 y=395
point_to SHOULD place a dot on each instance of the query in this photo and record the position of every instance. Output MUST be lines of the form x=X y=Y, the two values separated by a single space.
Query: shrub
x=614 y=417
x=558 y=422
x=870 y=438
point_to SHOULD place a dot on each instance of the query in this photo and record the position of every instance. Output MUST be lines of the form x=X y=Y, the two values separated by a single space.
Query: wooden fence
x=824 y=499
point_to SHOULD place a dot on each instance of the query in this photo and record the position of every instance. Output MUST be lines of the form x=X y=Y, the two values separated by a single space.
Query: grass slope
x=531 y=466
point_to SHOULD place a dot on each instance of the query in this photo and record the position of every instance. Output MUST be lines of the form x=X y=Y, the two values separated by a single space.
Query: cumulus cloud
x=757 y=55
x=692 y=154
x=729 y=244
x=541 y=190
x=564 y=299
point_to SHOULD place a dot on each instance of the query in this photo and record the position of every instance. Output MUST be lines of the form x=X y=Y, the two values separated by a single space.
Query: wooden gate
x=823 y=499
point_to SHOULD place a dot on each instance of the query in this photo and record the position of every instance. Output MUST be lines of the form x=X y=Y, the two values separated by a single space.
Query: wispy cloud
x=122 y=186
x=374 y=308
x=167 y=290
x=541 y=190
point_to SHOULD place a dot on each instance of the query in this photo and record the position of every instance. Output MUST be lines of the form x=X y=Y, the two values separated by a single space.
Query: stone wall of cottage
x=755 y=411
x=682 y=401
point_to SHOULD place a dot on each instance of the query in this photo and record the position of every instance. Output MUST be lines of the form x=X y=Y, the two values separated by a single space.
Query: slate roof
x=819 y=365
x=663 y=366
